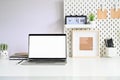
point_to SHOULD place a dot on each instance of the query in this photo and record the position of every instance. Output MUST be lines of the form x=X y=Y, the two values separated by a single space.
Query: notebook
x=47 y=48
x=19 y=56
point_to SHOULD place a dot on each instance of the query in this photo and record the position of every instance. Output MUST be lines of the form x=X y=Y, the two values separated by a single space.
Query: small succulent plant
x=91 y=17
x=3 y=47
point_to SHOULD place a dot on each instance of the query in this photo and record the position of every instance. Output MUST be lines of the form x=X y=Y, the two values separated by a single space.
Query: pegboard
x=109 y=28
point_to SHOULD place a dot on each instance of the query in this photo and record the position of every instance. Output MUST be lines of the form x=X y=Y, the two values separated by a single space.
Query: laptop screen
x=47 y=46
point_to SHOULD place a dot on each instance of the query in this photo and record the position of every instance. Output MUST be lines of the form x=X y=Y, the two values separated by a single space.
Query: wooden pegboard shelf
x=80 y=26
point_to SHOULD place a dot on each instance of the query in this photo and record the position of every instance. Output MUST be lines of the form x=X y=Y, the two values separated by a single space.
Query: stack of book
x=19 y=56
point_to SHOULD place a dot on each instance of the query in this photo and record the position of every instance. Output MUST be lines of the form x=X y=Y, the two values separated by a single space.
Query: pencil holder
x=111 y=52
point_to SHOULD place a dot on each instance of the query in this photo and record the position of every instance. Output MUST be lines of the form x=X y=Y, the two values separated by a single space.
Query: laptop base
x=45 y=62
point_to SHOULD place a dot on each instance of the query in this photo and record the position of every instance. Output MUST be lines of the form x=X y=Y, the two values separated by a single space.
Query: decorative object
x=85 y=43
x=91 y=18
x=102 y=11
x=76 y=19
x=3 y=50
x=102 y=14
x=115 y=13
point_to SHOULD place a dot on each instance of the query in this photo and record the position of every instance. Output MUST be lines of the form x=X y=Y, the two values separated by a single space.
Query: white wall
x=18 y=18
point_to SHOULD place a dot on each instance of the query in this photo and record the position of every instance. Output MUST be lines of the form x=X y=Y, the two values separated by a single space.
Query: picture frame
x=82 y=19
x=85 y=43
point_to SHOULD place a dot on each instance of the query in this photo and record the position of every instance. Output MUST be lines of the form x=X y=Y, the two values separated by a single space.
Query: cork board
x=86 y=43
x=101 y=14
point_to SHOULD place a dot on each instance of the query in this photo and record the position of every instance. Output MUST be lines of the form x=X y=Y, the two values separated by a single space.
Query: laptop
x=47 y=48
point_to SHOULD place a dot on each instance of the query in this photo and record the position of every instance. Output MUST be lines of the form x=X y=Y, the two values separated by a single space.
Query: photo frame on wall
x=85 y=43
x=82 y=19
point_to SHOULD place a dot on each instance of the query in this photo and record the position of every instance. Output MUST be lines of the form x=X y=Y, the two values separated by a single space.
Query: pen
x=19 y=62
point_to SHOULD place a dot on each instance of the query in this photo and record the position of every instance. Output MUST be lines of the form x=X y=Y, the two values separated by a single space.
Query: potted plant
x=91 y=18
x=3 y=50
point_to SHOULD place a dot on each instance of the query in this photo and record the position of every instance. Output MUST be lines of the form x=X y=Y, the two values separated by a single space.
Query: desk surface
x=74 y=67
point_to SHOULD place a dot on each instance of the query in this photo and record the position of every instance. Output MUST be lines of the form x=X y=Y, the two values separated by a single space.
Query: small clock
x=76 y=19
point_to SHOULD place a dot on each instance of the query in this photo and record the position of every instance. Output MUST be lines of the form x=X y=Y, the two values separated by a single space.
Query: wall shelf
x=80 y=26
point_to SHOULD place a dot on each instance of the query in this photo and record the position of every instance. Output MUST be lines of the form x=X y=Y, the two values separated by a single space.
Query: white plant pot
x=4 y=54
x=92 y=22
x=111 y=52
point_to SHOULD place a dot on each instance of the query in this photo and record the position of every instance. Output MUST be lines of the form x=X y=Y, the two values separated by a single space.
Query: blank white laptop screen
x=47 y=46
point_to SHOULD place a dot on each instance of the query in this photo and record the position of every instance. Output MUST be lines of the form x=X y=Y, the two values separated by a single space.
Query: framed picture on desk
x=85 y=43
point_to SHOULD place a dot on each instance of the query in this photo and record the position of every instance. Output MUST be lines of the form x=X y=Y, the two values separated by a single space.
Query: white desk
x=75 y=68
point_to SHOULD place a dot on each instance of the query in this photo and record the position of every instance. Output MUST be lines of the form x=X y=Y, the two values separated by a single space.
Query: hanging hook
x=103 y=4
x=116 y=5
